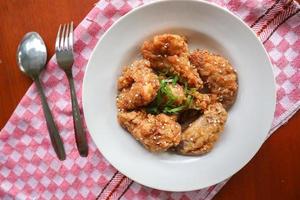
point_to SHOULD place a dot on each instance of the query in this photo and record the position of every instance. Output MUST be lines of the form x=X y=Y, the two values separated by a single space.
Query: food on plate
x=201 y=135
x=169 y=53
x=202 y=101
x=156 y=132
x=162 y=46
x=218 y=74
x=138 y=85
x=163 y=103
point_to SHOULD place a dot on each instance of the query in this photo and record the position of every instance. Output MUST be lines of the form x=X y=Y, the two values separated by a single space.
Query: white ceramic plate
x=206 y=26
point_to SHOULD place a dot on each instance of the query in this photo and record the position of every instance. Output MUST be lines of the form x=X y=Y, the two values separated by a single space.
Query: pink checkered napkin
x=29 y=168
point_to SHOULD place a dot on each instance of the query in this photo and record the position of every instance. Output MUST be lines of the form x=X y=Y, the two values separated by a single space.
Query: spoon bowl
x=32 y=54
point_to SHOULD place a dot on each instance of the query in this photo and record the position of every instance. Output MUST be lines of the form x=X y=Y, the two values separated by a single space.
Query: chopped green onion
x=165 y=99
x=169 y=110
x=175 y=79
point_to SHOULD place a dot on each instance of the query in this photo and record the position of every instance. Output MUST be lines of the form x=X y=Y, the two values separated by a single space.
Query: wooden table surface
x=274 y=173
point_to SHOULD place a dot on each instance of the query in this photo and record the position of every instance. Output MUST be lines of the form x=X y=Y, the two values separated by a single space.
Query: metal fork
x=65 y=59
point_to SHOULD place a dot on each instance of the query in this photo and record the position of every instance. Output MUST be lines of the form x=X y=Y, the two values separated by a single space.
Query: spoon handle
x=53 y=132
x=80 y=135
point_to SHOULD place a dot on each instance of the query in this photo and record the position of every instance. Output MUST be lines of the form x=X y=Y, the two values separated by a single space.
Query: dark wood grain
x=274 y=173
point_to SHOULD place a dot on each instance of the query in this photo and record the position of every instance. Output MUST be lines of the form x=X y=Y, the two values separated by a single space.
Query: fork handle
x=53 y=132
x=80 y=135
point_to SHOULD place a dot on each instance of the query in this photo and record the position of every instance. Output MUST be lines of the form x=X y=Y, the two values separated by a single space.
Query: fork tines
x=64 y=38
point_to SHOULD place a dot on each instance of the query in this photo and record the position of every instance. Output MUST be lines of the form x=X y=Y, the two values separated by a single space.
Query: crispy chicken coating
x=138 y=85
x=156 y=132
x=162 y=46
x=202 y=101
x=218 y=74
x=169 y=52
x=181 y=66
x=202 y=134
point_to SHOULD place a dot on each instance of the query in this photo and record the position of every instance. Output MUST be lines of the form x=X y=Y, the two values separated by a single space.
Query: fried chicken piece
x=169 y=52
x=181 y=66
x=162 y=46
x=156 y=132
x=197 y=106
x=200 y=137
x=218 y=74
x=138 y=85
x=202 y=101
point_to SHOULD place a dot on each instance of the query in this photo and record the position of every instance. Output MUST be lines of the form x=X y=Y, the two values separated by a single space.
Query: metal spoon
x=32 y=57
